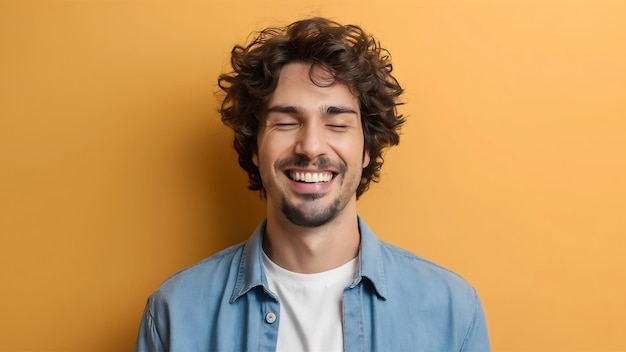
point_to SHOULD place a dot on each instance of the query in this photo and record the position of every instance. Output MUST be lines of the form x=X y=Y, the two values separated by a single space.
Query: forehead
x=310 y=86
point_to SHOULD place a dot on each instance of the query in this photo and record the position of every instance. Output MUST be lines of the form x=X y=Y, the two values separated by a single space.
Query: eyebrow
x=286 y=109
x=339 y=110
x=331 y=110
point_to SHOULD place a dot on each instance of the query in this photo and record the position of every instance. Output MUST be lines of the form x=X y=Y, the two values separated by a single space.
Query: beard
x=308 y=212
x=310 y=217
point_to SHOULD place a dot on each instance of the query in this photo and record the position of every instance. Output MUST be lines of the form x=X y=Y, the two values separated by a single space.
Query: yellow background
x=115 y=170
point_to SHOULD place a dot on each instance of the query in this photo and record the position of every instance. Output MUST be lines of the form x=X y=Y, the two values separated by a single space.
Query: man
x=312 y=106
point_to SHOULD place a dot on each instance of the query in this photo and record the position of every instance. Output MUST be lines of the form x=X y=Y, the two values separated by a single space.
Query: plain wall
x=115 y=171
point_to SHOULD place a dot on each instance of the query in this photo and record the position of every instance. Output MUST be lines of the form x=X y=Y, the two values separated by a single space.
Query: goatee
x=310 y=217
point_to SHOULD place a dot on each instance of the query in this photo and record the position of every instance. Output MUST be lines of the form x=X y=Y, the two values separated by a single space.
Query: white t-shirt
x=310 y=306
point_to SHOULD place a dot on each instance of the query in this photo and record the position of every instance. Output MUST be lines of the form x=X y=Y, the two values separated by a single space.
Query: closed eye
x=337 y=127
x=285 y=125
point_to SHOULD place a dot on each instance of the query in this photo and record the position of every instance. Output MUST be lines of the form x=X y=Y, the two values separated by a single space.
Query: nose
x=311 y=141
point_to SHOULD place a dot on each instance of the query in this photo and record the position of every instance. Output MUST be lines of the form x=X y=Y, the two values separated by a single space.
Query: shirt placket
x=353 y=324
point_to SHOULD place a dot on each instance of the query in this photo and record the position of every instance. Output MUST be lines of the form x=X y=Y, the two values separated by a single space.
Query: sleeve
x=477 y=338
x=148 y=337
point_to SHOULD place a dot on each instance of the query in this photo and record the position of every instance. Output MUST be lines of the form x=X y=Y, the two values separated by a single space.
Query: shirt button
x=270 y=318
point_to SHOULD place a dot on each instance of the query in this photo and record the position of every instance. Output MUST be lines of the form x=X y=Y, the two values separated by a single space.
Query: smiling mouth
x=310 y=177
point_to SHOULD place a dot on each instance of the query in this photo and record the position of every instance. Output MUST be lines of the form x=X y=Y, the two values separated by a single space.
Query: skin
x=311 y=226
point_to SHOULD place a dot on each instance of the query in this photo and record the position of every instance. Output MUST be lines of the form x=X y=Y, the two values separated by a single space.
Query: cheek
x=273 y=146
x=352 y=153
x=361 y=154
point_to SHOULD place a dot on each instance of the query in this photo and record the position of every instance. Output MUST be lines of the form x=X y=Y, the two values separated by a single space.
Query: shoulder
x=426 y=297
x=186 y=305
x=212 y=273
x=403 y=268
x=400 y=272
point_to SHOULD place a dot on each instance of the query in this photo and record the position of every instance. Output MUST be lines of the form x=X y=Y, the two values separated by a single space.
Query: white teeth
x=311 y=177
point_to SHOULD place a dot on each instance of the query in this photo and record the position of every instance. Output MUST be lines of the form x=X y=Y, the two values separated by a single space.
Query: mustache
x=301 y=161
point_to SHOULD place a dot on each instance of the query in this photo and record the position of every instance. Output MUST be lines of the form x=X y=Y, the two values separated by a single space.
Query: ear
x=255 y=159
x=366 y=159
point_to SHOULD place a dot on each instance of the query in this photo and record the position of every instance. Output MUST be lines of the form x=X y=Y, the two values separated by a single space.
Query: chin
x=306 y=217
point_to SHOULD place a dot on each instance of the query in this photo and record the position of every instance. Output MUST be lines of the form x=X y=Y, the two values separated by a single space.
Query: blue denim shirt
x=397 y=302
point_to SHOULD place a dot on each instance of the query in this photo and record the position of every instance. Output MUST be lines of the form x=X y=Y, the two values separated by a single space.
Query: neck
x=312 y=250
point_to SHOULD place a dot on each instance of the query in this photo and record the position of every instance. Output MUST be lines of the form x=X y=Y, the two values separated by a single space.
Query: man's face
x=310 y=146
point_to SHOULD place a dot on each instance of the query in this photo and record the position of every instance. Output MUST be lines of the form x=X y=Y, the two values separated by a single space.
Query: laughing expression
x=310 y=146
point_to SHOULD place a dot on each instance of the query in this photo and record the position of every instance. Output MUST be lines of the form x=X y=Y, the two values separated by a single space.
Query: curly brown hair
x=349 y=54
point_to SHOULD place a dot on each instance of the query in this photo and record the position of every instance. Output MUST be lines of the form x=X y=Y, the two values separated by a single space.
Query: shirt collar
x=371 y=264
x=250 y=272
